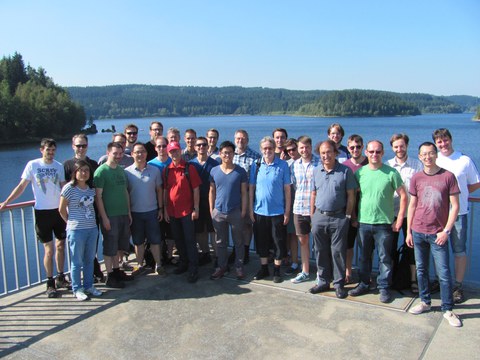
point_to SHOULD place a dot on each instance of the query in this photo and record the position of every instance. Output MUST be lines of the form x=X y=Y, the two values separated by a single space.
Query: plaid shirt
x=302 y=180
x=246 y=159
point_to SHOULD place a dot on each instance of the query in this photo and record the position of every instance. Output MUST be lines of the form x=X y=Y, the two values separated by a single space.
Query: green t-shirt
x=114 y=185
x=376 y=194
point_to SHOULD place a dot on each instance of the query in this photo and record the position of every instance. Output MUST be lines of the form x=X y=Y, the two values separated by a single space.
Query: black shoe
x=51 y=291
x=122 y=275
x=385 y=296
x=113 y=282
x=180 y=270
x=319 y=288
x=246 y=257
x=360 y=289
x=458 y=296
x=341 y=292
x=277 y=278
x=192 y=277
x=261 y=274
x=434 y=287
x=61 y=281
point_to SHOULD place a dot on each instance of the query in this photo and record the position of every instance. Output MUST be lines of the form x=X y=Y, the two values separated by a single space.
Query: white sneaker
x=301 y=277
x=80 y=295
x=93 y=292
x=420 y=308
x=452 y=318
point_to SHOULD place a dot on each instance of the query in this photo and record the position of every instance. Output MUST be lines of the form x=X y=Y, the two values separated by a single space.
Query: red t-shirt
x=433 y=200
x=179 y=192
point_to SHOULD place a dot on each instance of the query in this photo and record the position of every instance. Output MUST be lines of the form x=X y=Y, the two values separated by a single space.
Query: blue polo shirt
x=269 y=191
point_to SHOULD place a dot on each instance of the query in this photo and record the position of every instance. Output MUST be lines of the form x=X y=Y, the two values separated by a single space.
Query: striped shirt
x=81 y=214
x=302 y=180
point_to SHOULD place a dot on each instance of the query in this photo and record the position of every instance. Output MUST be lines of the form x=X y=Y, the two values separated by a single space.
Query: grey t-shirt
x=142 y=186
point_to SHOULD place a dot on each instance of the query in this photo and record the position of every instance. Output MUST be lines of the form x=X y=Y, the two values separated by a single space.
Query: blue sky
x=405 y=46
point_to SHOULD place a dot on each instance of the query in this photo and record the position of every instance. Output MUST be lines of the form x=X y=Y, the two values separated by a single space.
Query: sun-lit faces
x=374 y=152
x=48 y=153
x=212 y=138
x=335 y=135
x=305 y=150
x=399 y=147
x=444 y=145
x=279 y=138
x=115 y=154
x=355 y=149
x=327 y=155
x=83 y=174
x=427 y=155
x=190 y=139
x=241 y=141
x=139 y=154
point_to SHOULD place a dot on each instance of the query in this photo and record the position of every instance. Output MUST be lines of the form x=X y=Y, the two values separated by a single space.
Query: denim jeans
x=382 y=236
x=183 y=231
x=422 y=244
x=83 y=247
x=458 y=237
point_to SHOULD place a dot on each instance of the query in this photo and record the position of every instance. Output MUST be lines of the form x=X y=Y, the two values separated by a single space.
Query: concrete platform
x=154 y=318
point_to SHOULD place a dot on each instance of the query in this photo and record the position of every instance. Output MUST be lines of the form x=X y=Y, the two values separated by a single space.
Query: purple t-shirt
x=433 y=202
x=228 y=188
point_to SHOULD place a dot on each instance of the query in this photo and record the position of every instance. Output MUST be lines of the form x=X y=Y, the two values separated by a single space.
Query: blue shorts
x=118 y=237
x=145 y=227
x=458 y=236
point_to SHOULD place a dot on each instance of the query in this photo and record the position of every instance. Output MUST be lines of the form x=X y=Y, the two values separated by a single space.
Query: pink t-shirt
x=433 y=200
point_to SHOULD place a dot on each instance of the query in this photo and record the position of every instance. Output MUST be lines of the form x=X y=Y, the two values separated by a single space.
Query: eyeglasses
x=353 y=147
x=161 y=146
x=80 y=146
x=372 y=152
x=291 y=149
x=227 y=153
x=431 y=153
x=132 y=132
x=201 y=145
x=157 y=129
x=140 y=152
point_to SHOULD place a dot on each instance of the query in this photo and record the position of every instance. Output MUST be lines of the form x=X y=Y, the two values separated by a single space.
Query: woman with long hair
x=76 y=208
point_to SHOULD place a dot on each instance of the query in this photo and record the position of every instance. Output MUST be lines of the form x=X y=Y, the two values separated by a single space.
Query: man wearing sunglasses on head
x=378 y=182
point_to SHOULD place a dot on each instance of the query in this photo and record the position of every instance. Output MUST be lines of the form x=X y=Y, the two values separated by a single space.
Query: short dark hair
x=227 y=144
x=114 y=145
x=441 y=133
x=139 y=144
x=47 y=142
x=402 y=136
x=130 y=126
x=80 y=136
x=213 y=130
x=338 y=127
x=280 y=130
x=305 y=139
x=356 y=138
x=156 y=122
x=427 y=143
x=377 y=141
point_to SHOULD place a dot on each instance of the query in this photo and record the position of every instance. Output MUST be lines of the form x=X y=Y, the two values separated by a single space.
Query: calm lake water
x=419 y=128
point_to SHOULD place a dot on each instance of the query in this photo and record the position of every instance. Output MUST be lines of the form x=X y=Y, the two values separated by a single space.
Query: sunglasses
x=201 y=145
x=81 y=146
x=132 y=132
x=377 y=152
x=353 y=147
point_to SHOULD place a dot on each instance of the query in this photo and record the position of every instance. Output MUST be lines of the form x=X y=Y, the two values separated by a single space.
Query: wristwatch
x=447 y=231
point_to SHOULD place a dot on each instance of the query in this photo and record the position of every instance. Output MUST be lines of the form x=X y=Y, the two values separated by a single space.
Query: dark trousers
x=183 y=231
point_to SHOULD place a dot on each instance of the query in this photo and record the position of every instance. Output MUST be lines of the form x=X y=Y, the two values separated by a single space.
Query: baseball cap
x=173 y=146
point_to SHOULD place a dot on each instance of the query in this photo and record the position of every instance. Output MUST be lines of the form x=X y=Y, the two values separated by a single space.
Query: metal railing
x=21 y=255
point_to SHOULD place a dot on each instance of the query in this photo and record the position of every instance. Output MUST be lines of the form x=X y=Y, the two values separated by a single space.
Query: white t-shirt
x=464 y=170
x=45 y=179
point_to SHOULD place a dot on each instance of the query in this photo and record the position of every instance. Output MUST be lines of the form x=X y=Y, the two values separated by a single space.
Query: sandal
x=414 y=287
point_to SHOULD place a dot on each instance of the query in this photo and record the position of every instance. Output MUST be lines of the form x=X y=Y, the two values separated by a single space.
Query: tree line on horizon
x=32 y=106
x=136 y=101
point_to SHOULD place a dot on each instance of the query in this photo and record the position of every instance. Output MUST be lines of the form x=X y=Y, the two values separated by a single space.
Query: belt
x=332 y=213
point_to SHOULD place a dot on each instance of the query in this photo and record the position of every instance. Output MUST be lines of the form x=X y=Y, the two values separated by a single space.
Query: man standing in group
x=80 y=146
x=156 y=129
x=47 y=177
x=406 y=167
x=190 y=138
x=173 y=134
x=131 y=132
x=146 y=202
x=212 y=137
x=126 y=160
x=270 y=206
x=203 y=225
x=432 y=212
x=244 y=157
x=114 y=210
x=182 y=197
x=280 y=137
x=377 y=182
x=468 y=180
x=332 y=203
x=356 y=161
x=228 y=207
x=302 y=178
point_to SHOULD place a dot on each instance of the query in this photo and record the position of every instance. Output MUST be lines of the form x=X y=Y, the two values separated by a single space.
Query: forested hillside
x=129 y=101
x=32 y=106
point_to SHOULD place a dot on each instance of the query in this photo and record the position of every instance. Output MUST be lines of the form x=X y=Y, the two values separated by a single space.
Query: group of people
x=191 y=200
